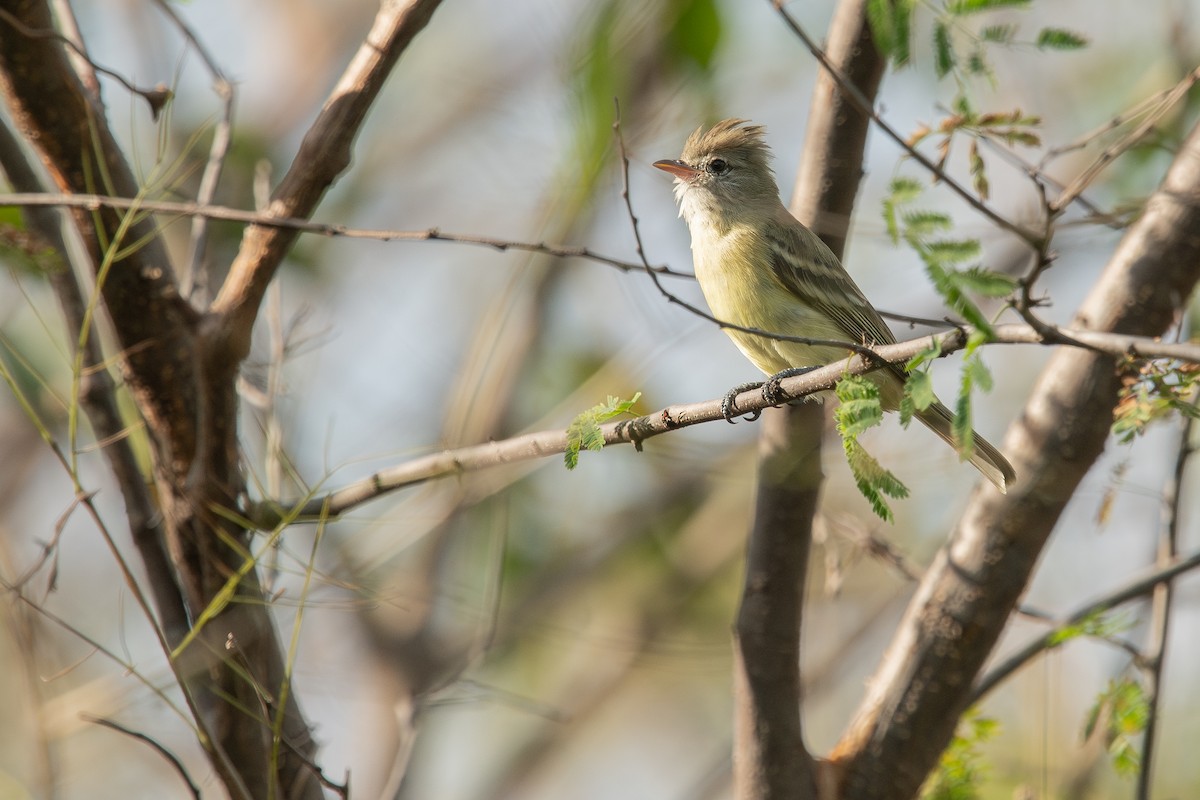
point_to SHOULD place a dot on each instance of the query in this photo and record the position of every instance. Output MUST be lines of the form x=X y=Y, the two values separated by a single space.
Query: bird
x=759 y=267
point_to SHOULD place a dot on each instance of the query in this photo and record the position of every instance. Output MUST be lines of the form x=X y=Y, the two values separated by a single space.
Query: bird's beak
x=678 y=169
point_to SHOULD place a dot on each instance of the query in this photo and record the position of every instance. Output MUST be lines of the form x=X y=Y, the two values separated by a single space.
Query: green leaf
x=905 y=190
x=881 y=18
x=960 y=7
x=918 y=395
x=902 y=32
x=921 y=224
x=859 y=409
x=952 y=251
x=984 y=282
x=584 y=431
x=1060 y=39
x=930 y=353
x=961 y=771
x=943 y=50
x=1124 y=709
x=998 y=34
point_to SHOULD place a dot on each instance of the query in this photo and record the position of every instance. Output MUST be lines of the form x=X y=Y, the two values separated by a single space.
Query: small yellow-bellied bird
x=759 y=267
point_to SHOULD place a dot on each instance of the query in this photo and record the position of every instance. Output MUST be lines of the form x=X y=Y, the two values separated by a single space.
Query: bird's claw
x=772 y=391
x=728 y=403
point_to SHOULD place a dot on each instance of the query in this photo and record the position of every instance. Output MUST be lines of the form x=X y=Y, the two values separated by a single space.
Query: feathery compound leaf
x=902 y=192
x=918 y=396
x=584 y=431
x=873 y=481
x=952 y=251
x=943 y=50
x=978 y=171
x=959 y=7
x=974 y=373
x=1124 y=711
x=881 y=17
x=985 y=282
x=1060 y=39
x=859 y=410
x=891 y=27
x=999 y=34
x=905 y=190
x=920 y=224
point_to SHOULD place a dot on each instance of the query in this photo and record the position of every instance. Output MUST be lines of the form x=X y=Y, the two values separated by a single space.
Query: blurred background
x=567 y=631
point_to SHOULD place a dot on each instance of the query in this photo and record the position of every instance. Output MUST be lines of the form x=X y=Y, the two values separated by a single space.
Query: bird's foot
x=728 y=402
x=772 y=391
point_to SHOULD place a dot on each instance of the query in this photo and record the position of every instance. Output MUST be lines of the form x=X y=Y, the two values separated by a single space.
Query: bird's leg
x=771 y=389
x=728 y=402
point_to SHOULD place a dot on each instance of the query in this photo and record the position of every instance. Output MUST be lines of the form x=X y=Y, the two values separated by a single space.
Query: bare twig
x=324 y=153
x=1133 y=590
x=1111 y=153
x=1154 y=658
x=864 y=105
x=92 y=202
x=157 y=746
x=194 y=275
x=156 y=97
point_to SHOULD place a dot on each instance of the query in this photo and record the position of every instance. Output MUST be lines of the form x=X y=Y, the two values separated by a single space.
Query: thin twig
x=866 y=107
x=156 y=97
x=158 y=747
x=1154 y=658
x=93 y=202
x=1111 y=153
x=194 y=277
x=1138 y=587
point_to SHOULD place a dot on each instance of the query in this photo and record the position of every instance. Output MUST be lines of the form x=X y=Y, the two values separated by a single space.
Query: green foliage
x=974 y=373
x=960 y=49
x=1060 y=39
x=624 y=49
x=1152 y=391
x=960 y=773
x=942 y=257
x=1120 y=712
x=918 y=395
x=891 y=27
x=584 y=431
x=1099 y=625
x=859 y=410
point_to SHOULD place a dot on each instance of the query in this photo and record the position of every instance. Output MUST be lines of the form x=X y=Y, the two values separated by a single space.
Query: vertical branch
x=770 y=758
x=1168 y=549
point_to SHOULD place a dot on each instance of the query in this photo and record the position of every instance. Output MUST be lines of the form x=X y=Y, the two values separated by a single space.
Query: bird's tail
x=985 y=458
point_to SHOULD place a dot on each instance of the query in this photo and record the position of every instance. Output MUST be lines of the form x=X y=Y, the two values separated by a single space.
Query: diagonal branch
x=324 y=153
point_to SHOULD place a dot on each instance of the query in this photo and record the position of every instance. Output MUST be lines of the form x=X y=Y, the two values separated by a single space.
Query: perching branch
x=267 y=514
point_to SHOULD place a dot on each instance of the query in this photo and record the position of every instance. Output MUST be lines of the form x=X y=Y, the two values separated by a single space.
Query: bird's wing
x=808 y=269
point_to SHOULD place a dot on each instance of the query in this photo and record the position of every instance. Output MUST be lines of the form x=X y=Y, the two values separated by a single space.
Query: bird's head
x=722 y=169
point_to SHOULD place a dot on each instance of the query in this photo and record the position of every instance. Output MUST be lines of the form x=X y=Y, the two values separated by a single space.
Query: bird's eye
x=718 y=166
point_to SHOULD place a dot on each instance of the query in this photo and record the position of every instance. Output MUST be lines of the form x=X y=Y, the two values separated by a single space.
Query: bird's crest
x=726 y=135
